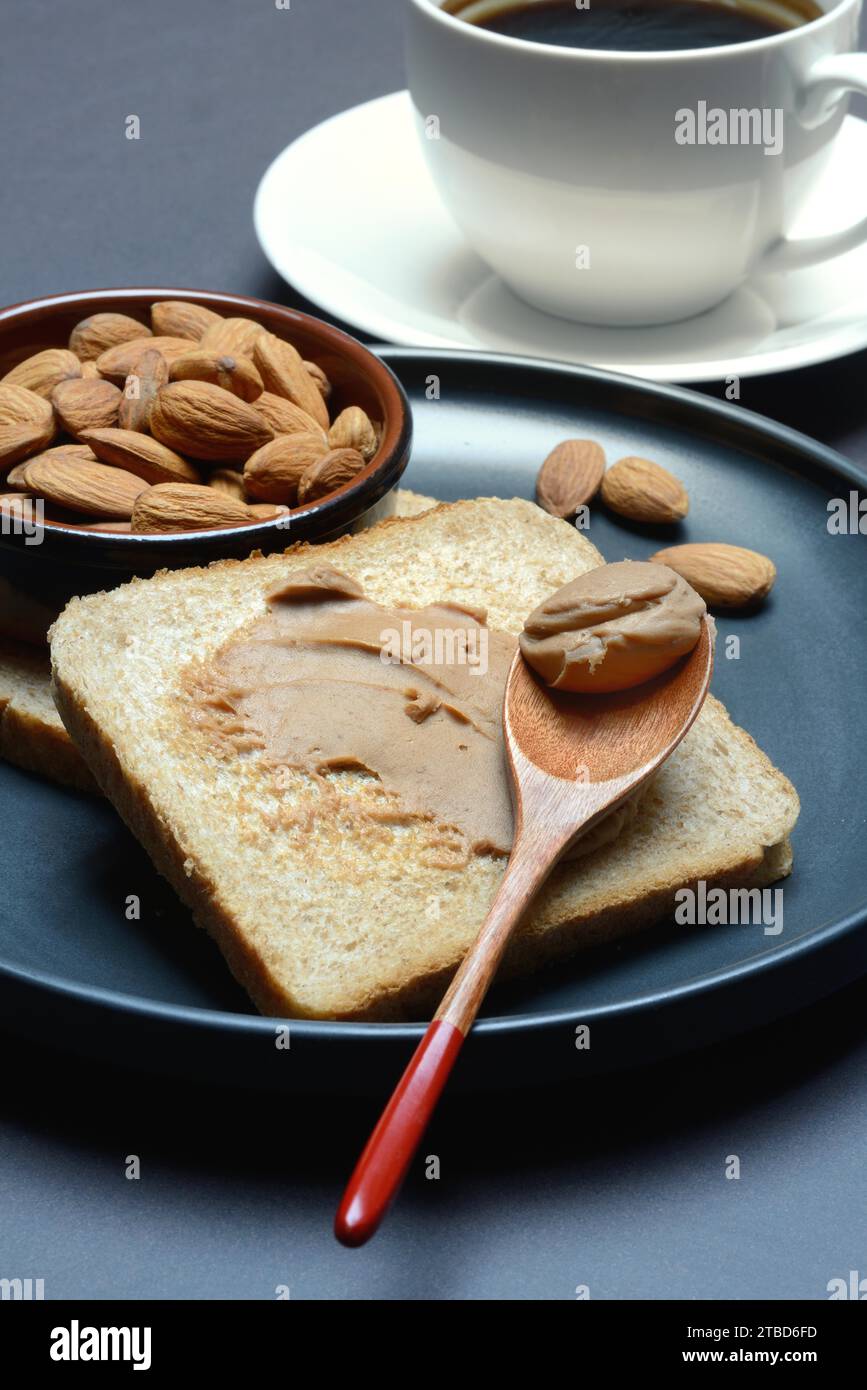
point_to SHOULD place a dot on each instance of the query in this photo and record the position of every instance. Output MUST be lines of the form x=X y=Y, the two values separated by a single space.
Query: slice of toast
x=31 y=731
x=339 y=919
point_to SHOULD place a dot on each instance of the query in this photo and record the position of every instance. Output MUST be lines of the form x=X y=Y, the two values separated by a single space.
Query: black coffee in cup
x=636 y=26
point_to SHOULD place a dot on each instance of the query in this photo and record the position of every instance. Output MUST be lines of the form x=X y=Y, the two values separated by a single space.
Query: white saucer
x=349 y=216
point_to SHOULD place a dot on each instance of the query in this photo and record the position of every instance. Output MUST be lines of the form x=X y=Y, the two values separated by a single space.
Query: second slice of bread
x=335 y=919
x=31 y=731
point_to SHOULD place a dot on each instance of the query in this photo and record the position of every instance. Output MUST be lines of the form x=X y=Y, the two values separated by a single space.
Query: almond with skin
x=274 y=472
x=21 y=406
x=18 y=444
x=231 y=482
x=140 y=390
x=235 y=336
x=116 y=527
x=283 y=372
x=286 y=418
x=60 y=454
x=328 y=474
x=80 y=486
x=177 y=318
x=644 y=491
x=45 y=370
x=95 y=335
x=27 y=424
x=266 y=511
x=180 y=507
x=122 y=361
x=202 y=421
x=141 y=455
x=90 y=371
x=14 y=479
x=86 y=405
x=320 y=380
x=353 y=430
x=726 y=576
x=235 y=374
x=570 y=476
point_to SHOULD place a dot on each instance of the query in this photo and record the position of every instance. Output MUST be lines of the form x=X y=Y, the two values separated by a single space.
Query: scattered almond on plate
x=570 y=477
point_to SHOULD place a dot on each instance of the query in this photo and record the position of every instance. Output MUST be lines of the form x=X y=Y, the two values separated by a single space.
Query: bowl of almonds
x=147 y=428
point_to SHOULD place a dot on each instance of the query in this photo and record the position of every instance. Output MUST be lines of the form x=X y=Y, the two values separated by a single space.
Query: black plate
x=155 y=993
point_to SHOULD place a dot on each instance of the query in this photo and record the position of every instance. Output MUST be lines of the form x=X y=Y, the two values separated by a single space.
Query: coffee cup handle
x=828 y=80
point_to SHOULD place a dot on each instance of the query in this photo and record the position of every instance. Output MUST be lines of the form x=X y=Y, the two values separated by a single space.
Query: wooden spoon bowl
x=592 y=742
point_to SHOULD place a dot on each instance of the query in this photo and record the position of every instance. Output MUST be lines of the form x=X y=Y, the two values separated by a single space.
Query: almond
x=86 y=405
x=61 y=453
x=320 y=380
x=644 y=491
x=570 y=476
x=85 y=487
x=328 y=474
x=176 y=318
x=181 y=507
x=21 y=443
x=229 y=481
x=235 y=374
x=14 y=479
x=267 y=511
x=286 y=418
x=283 y=372
x=274 y=472
x=20 y=406
x=353 y=430
x=95 y=335
x=90 y=372
x=141 y=455
x=45 y=370
x=234 y=336
x=119 y=362
x=140 y=390
x=205 y=422
x=726 y=576
x=27 y=424
x=108 y=526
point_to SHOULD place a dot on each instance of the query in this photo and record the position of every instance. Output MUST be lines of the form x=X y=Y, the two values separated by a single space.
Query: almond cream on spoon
x=613 y=628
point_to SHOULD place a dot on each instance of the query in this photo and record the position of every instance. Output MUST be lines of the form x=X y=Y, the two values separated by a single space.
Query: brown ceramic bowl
x=70 y=560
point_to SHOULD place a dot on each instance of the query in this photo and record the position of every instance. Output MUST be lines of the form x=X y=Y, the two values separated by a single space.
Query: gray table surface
x=619 y=1185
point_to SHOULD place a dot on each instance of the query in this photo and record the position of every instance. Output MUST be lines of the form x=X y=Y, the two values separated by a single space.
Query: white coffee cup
x=571 y=173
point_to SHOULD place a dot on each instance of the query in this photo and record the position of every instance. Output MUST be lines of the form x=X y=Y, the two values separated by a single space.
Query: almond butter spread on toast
x=329 y=681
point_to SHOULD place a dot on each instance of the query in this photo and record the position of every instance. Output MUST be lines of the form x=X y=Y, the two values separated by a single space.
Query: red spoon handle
x=390 y=1148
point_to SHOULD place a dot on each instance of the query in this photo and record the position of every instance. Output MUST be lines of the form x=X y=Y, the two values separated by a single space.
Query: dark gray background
x=619 y=1184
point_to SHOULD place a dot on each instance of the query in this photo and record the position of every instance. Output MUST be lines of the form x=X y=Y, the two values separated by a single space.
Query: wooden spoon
x=572 y=758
